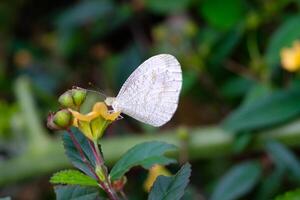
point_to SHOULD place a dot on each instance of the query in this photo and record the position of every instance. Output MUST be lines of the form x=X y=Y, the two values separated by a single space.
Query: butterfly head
x=109 y=100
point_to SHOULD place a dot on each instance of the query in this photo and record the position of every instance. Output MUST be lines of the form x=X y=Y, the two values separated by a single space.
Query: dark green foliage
x=145 y=154
x=272 y=109
x=239 y=180
x=73 y=154
x=76 y=193
x=171 y=188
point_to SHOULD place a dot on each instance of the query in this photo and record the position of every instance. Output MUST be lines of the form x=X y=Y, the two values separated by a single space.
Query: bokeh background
x=238 y=116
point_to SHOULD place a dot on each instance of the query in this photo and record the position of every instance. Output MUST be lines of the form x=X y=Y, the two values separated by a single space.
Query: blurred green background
x=239 y=109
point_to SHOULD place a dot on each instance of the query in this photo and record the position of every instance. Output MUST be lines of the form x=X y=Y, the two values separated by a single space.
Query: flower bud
x=60 y=120
x=100 y=173
x=78 y=96
x=66 y=100
x=118 y=185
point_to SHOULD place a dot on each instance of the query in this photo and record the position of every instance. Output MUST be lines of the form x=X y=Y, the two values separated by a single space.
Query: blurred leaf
x=166 y=6
x=271 y=109
x=84 y=12
x=171 y=188
x=73 y=154
x=290 y=195
x=282 y=156
x=70 y=42
x=225 y=45
x=190 y=79
x=222 y=14
x=236 y=87
x=145 y=154
x=239 y=180
x=72 y=177
x=270 y=184
x=75 y=192
x=242 y=141
x=283 y=37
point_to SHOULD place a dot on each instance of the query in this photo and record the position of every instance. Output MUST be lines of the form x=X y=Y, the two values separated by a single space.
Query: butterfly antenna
x=94 y=91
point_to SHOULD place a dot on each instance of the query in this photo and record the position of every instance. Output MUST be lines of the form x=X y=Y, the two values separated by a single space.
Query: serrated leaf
x=290 y=195
x=271 y=109
x=72 y=192
x=283 y=37
x=239 y=180
x=145 y=154
x=171 y=188
x=285 y=158
x=72 y=177
x=73 y=154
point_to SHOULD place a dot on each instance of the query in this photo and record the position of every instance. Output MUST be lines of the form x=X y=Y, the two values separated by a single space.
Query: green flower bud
x=78 y=96
x=66 y=100
x=63 y=119
x=100 y=173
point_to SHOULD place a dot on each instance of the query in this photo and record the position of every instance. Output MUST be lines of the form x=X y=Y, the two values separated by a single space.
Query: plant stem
x=100 y=162
x=84 y=159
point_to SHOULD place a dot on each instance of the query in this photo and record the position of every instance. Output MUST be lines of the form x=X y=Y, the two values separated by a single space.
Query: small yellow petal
x=154 y=172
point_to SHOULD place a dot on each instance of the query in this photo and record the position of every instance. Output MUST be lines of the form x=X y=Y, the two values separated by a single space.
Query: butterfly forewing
x=151 y=92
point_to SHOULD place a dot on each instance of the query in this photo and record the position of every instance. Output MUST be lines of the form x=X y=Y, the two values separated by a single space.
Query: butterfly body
x=151 y=92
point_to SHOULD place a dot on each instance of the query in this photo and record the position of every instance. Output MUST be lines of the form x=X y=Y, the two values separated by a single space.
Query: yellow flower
x=154 y=172
x=93 y=124
x=290 y=57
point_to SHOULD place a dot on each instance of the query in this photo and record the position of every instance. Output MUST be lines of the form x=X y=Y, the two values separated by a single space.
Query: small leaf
x=271 y=109
x=73 y=154
x=72 y=192
x=145 y=154
x=283 y=37
x=237 y=181
x=171 y=188
x=72 y=177
x=283 y=157
x=290 y=195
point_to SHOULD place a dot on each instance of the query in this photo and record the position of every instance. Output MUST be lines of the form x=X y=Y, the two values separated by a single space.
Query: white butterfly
x=151 y=92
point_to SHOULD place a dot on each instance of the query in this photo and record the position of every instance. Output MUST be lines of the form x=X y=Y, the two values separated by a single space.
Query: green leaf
x=74 y=155
x=283 y=157
x=171 y=188
x=239 y=180
x=270 y=184
x=166 y=6
x=222 y=14
x=290 y=195
x=271 y=109
x=145 y=154
x=75 y=192
x=283 y=37
x=73 y=177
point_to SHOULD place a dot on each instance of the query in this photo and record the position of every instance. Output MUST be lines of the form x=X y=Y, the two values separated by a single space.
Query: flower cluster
x=92 y=124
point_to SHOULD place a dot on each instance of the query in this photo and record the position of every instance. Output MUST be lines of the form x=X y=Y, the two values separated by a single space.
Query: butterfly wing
x=151 y=92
